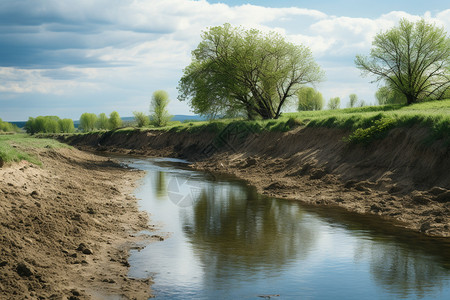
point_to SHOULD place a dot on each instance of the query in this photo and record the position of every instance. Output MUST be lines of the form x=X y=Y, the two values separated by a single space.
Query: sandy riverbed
x=66 y=228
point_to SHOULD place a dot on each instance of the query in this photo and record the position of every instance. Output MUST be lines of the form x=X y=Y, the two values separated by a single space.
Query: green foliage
x=309 y=99
x=353 y=100
x=377 y=130
x=87 y=122
x=159 y=114
x=114 y=120
x=388 y=95
x=102 y=122
x=141 y=119
x=8 y=127
x=413 y=59
x=44 y=124
x=66 y=126
x=237 y=72
x=334 y=103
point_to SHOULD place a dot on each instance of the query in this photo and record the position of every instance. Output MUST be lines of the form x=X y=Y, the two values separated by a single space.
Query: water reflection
x=231 y=227
x=402 y=271
x=161 y=184
x=232 y=243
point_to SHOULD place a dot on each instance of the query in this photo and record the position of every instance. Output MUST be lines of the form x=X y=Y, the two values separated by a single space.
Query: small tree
x=309 y=99
x=159 y=114
x=87 y=122
x=66 y=125
x=114 y=120
x=334 y=103
x=102 y=122
x=353 y=100
x=141 y=119
x=413 y=58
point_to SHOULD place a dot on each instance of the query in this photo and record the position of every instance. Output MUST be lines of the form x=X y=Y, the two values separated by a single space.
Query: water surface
x=227 y=242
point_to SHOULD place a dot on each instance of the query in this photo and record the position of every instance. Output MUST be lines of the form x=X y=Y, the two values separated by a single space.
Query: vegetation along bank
x=391 y=161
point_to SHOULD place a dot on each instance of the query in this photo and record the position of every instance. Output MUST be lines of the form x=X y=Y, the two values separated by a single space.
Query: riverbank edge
x=399 y=178
x=68 y=227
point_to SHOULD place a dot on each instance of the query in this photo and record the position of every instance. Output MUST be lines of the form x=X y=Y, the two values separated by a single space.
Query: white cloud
x=133 y=47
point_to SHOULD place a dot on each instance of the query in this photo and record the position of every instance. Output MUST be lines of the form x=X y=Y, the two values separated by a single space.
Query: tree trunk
x=410 y=99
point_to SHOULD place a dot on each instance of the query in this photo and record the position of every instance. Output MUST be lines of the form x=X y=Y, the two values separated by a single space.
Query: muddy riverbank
x=400 y=178
x=67 y=228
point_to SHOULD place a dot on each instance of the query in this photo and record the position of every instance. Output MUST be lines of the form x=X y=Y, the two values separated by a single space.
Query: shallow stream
x=225 y=241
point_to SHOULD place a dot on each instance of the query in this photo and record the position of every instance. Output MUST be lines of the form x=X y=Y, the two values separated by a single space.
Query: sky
x=68 y=57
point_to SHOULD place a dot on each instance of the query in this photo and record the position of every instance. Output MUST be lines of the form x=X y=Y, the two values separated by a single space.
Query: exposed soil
x=66 y=228
x=400 y=178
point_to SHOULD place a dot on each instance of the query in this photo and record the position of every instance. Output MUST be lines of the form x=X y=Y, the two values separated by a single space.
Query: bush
x=141 y=119
x=378 y=130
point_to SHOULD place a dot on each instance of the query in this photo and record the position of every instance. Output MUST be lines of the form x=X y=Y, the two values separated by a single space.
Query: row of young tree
x=311 y=99
x=249 y=73
x=90 y=121
x=49 y=124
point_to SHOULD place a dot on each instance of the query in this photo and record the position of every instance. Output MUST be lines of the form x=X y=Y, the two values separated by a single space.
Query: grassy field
x=17 y=147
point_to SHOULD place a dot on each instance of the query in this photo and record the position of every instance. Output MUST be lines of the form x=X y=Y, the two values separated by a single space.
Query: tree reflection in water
x=161 y=184
x=233 y=228
x=400 y=270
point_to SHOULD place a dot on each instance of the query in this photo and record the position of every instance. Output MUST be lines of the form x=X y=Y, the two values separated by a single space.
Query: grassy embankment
x=365 y=124
x=17 y=147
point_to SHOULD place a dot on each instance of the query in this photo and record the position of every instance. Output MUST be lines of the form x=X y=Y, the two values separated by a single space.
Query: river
x=222 y=240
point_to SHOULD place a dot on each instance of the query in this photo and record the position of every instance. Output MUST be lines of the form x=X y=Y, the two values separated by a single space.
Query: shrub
x=377 y=130
x=141 y=119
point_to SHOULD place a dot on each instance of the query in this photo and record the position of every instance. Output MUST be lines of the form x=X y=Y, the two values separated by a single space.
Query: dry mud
x=66 y=228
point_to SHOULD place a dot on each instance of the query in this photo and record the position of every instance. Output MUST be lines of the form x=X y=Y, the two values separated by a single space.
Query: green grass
x=17 y=147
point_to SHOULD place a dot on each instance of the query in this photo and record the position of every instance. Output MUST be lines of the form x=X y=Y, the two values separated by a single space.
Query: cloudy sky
x=68 y=57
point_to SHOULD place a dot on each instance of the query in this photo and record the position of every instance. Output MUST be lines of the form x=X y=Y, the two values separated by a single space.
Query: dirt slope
x=66 y=228
x=400 y=178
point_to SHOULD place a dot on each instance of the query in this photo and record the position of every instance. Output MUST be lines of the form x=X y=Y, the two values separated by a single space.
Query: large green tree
x=309 y=99
x=413 y=59
x=236 y=71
